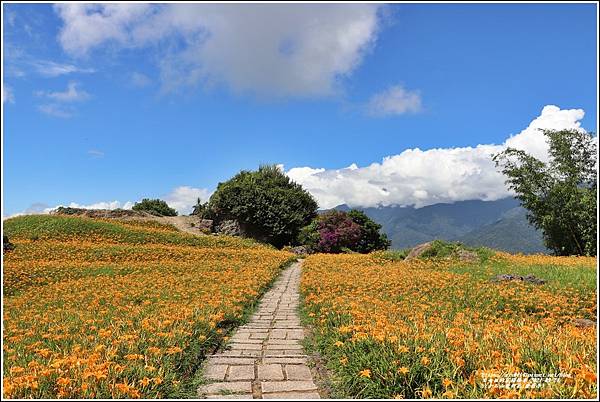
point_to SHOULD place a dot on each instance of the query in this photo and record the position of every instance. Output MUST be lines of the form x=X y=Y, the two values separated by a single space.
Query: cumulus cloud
x=424 y=177
x=42 y=208
x=183 y=198
x=7 y=94
x=72 y=94
x=395 y=100
x=300 y=50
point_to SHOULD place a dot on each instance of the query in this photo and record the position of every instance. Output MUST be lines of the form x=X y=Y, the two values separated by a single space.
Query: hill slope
x=499 y=224
x=121 y=309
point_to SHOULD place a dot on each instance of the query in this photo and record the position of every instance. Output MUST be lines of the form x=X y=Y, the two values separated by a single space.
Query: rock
x=300 y=250
x=6 y=244
x=416 y=251
x=466 y=255
x=509 y=277
x=229 y=228
x=583 y=323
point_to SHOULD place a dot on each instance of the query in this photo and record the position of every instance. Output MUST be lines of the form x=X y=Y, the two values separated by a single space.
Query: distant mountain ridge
x=499 y=224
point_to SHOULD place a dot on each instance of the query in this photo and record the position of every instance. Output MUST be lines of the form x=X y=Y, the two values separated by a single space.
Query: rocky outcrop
x=229 y=228
x=583 y=323
x=509 y=277
x=416 y=251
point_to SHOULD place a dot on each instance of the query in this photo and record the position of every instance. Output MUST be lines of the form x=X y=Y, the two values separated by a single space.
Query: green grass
x=62 y=228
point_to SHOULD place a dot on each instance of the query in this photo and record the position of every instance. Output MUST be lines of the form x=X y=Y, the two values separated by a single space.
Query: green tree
x=370 y=237
x=267 y=204
x=200 y=208
x=155 y=207
x=560 y=195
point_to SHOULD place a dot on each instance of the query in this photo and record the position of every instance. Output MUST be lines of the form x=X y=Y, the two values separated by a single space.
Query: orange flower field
x=441 y=328
x=97 y=309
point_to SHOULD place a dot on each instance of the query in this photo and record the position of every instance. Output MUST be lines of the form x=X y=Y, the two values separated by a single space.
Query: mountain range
x=500 y=224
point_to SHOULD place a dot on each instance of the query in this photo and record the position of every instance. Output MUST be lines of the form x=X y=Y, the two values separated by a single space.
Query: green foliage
x=200 y=208
x=266 y=203
x=391 y=255
x=155 y=207
x=441 y=249
x=370 y=239
x=560 y=195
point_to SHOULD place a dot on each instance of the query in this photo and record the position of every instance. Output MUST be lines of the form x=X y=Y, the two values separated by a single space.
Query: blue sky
x=112 y=104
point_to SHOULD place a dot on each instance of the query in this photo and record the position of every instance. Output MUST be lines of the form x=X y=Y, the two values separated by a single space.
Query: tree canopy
x=155 y=207
x=267 y=204
x=560 y=195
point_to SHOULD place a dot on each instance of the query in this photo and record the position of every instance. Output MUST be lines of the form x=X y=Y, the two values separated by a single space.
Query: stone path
x=264 y=358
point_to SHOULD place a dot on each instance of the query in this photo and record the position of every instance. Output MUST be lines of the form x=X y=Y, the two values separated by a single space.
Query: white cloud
x=41 y=208
x=139 y=80
x=266 y=49
x=53 y=69
x=183 y=198
x=96 y=154
x=417 y=177
x=55 y=110
x=7 y=94
x=71 y=94
x=394 y=101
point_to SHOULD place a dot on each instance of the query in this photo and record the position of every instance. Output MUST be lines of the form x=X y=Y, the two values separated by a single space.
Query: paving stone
x=298 y=372
x=237 y=373
x=283 y=342
x=259 y=335
x=295 y=334
x=222 y=387
x=245 y=346
x=270 y=341
x=283 y=347
x=270 y=372
x=242 y=353
x=278 y=334
x=215 y=372
x=233 y=340
x=220 y=359
x=292 y=395
x=284 y=360
x=286 y=386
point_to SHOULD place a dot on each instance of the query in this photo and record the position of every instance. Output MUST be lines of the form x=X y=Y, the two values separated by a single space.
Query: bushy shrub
x=154 y=207
x=200 y=209
x=337 y=231
x=266 y=203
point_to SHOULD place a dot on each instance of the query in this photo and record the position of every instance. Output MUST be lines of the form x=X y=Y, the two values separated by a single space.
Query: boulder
x=416 y=251
x=300 y=250
x=229 y=228
x=466 y=255
x=583 y=323
x=527 y=278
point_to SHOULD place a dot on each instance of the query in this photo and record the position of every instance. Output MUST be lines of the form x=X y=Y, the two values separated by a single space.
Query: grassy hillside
x=438 y=327
x=110 y=309
x=510 y=233
x=499 y=224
